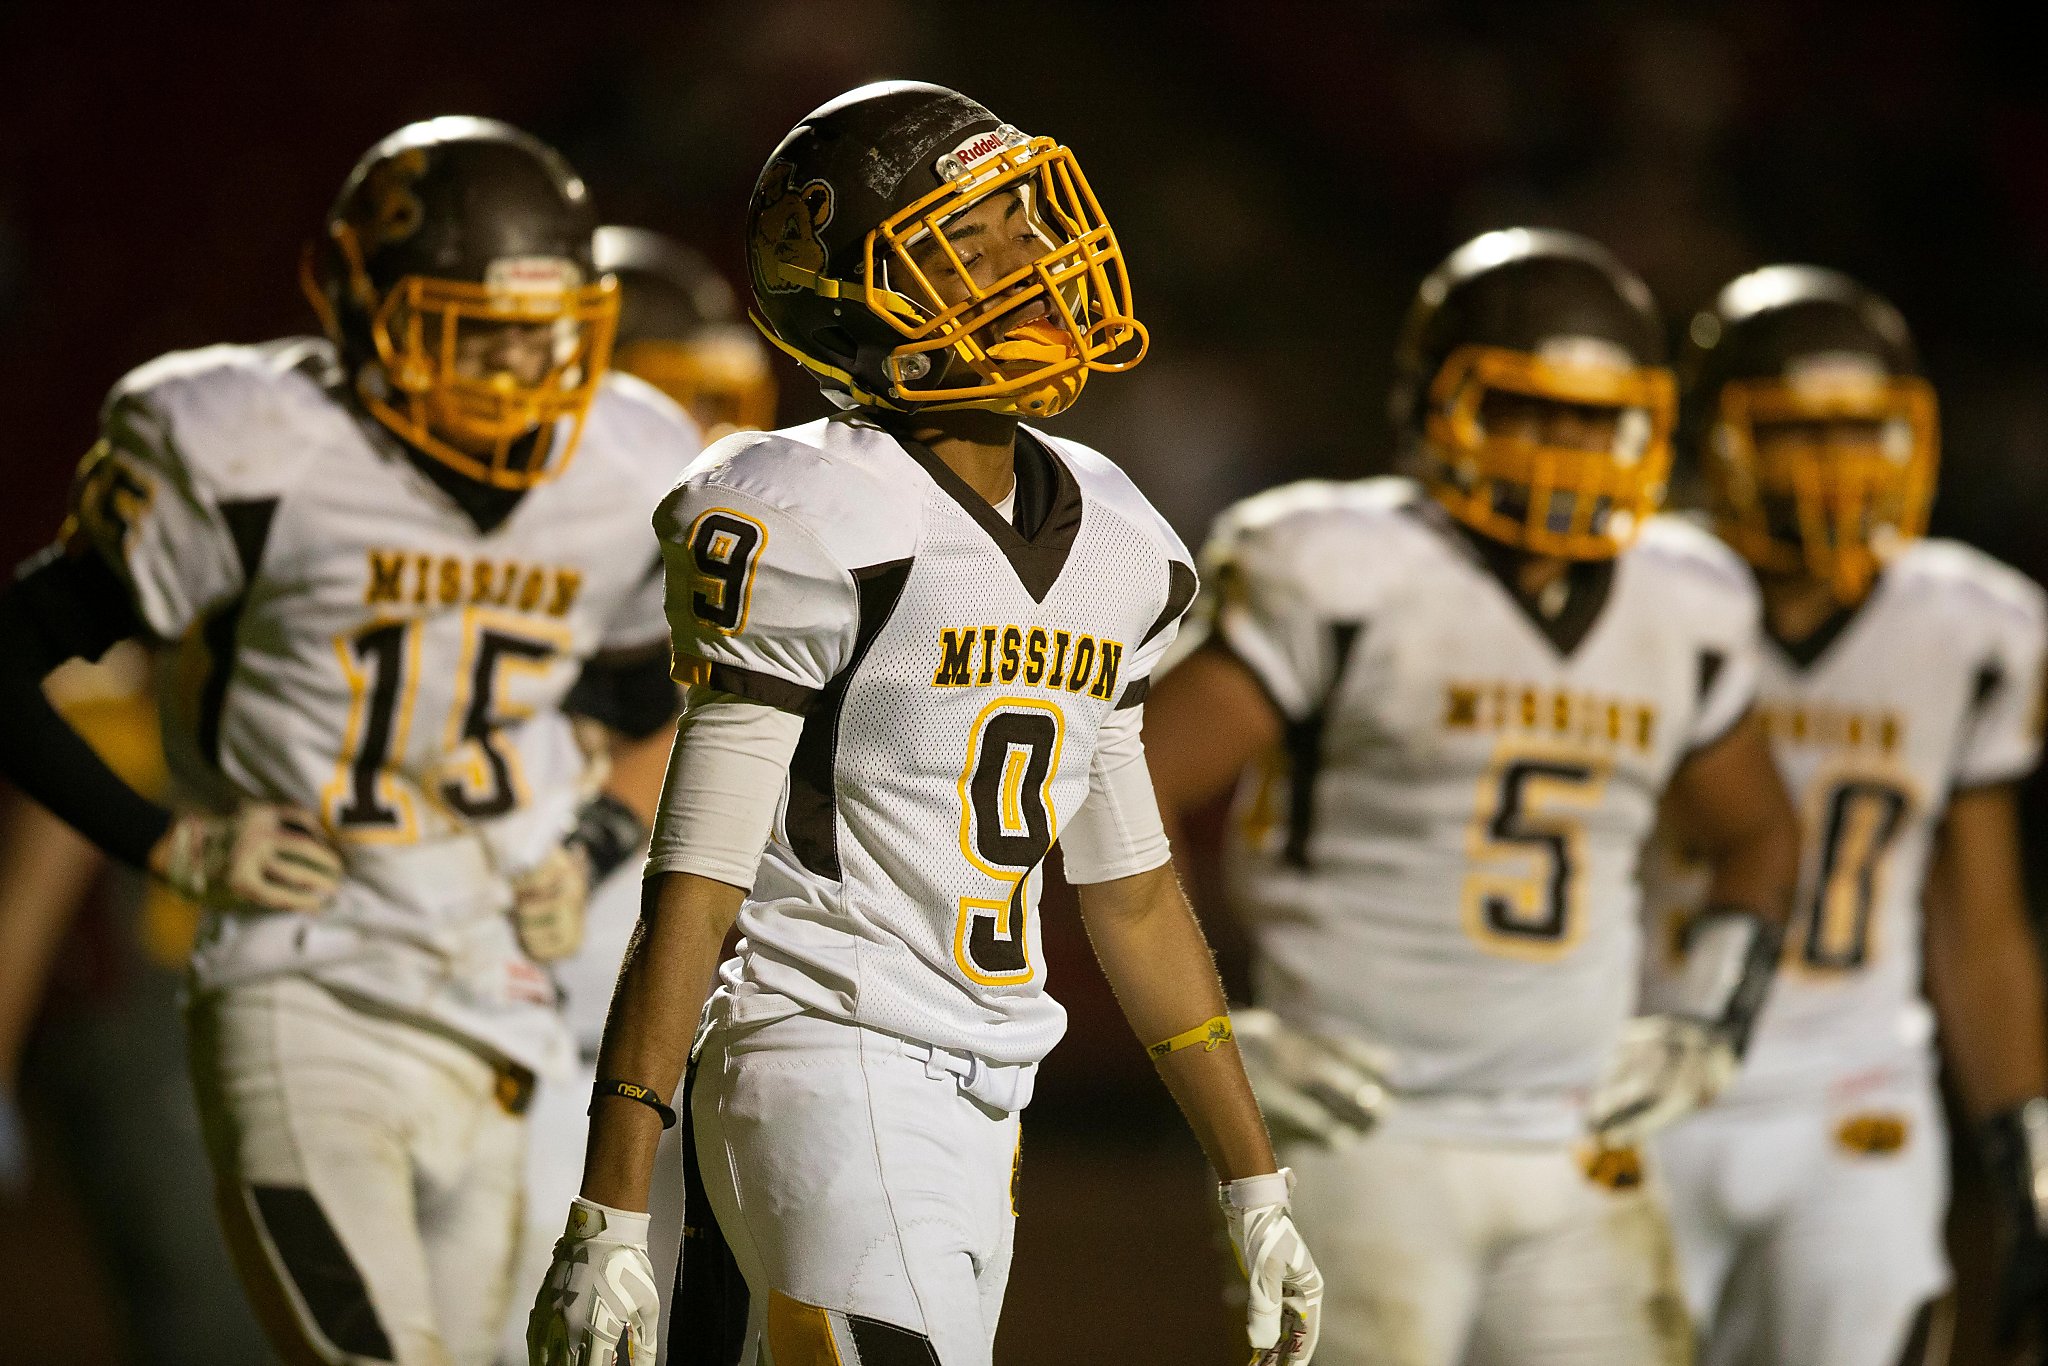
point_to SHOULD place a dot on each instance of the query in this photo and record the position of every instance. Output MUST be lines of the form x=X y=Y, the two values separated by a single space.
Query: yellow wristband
x=1210 y=1034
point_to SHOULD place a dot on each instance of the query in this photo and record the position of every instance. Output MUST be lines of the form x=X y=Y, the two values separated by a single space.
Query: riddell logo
x=979 y=148
x=962 y=160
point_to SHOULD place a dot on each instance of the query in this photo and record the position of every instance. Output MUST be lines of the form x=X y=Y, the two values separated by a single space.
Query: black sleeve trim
x=766 y=689
x=631 y=694
x=1135 y=694
x=39 y=752
x=1180 y=591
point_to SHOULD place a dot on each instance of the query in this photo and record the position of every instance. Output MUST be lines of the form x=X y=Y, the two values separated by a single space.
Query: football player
x=1901 y=689
x=917 y=637
x=677 y=331
x=1449 y=709
x=378 y=560
x=680 y=330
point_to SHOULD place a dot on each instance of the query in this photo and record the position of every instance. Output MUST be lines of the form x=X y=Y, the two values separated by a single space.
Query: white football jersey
x=343 y=638
x=1931 y=686
x=1441 y=858
x=951 y=674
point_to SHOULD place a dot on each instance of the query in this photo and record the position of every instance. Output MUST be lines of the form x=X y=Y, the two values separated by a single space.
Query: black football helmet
x=679 y=329
x=1818 y=437
x=445 y=235
x=866 y=185
x=1542 y=315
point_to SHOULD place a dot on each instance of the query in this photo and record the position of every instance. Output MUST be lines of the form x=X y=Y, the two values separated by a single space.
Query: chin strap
x=1731 y=953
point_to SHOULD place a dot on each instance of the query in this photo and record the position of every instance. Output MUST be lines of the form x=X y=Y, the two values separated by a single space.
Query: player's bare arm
x=662 y=987
x=1983 y=965
x=1158 y=963
x=1984 y=978
x=1732 y=809
x=1194 y=759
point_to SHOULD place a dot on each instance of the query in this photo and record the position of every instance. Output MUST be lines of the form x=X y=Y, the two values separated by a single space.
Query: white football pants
x=1437 y=1252
x=367 y=1173
x=1796 y=1246
x=556 y=1128
x=865 y=1196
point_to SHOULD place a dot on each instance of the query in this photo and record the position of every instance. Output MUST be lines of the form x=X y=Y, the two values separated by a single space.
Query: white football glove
x=599 y=1305
x=1326 y=1091
x=548 y=904
x=1664 y=1068
x=1284 y=1308
x=265 y=858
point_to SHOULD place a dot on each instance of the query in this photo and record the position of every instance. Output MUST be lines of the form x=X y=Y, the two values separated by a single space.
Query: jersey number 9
x=1007 y=825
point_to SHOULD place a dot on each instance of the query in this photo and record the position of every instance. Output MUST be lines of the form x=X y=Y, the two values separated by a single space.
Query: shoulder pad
x=1969 y=580
x=827 y=476
x=1683 y=544
x=638 y=432
x=1342 y=545
x=237 y=421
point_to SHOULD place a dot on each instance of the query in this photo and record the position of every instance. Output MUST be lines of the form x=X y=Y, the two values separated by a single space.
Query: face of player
x=1783 y=444
x=1528 y=420
x=993 y=237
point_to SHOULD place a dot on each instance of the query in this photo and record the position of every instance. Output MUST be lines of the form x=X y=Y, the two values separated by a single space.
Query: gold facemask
x=1035 y=370
x=476 y=424
x=1824 y=477
x=1563 y=501
x=721 y=380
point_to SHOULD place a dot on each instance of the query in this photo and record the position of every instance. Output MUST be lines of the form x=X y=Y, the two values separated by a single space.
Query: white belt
x=999 y=1086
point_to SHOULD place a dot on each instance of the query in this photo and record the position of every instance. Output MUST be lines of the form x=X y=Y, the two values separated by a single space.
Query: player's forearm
x=45 y=871
x=1983 y=963
x=661 y=992
x=1152 y=951
x=1759 y=871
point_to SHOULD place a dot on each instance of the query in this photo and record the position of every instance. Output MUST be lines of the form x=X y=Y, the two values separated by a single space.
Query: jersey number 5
x=1522 y=893
x=1007 y=824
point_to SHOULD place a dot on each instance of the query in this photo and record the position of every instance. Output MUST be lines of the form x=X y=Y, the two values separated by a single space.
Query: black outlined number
x=724 y=547
x=1857 y=825
x=1006 y=828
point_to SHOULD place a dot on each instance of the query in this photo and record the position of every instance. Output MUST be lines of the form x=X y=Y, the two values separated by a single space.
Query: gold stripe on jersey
x=402 y=578
x=1830 y=727
x=1037 y=656
x=1502 y=707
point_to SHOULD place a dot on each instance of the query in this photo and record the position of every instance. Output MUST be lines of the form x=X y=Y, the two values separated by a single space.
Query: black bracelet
x=629 y=1090
x=608 y=833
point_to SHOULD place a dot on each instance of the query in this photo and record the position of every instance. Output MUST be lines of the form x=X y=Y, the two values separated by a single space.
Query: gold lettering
x=387 y=576
x=1105 y=676
x=568 y=583
x=957 y=652
x=1461 y=708
x=1084 y=663
x=451 y=580
x=988 y=657
x=1013 y=645
x=530 y=590
x=1060 y=641
x=1034 y=655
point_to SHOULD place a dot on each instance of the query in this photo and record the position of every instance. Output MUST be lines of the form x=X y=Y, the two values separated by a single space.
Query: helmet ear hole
x=838 y=342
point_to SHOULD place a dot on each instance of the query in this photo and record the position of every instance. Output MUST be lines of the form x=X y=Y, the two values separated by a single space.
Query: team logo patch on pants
x=1873 y=1135
x=802 y=1334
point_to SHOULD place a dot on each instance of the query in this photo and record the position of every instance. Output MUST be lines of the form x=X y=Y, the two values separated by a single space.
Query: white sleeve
x=2002 y=735
x=1266 y=616
x=1728 y=683
x=757 y=606
x=726 y=777
x=1117 y=832
x=137 y=503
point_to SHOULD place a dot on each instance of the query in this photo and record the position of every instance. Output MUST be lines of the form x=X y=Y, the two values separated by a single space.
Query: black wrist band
x=1759 y=965
x=608 y=833
x=628 y=1090
x=2015 y=1147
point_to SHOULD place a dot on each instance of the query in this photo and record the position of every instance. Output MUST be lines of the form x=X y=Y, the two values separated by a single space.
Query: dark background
x=1281 y=174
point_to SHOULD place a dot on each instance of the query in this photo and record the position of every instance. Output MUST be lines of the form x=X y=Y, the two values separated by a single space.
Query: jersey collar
x=1048 y=501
